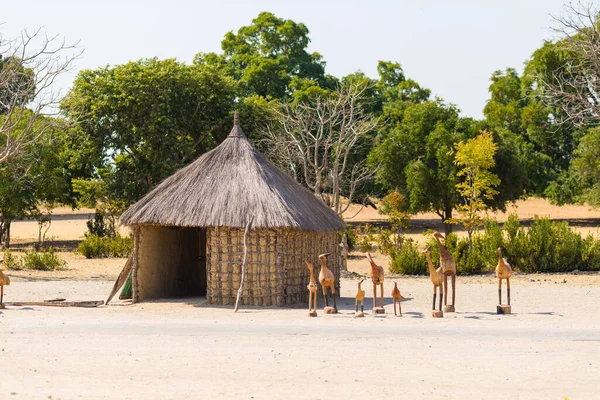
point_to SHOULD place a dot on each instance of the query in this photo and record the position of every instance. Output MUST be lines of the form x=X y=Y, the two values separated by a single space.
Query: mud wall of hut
x=276 y=273
x=168 y=263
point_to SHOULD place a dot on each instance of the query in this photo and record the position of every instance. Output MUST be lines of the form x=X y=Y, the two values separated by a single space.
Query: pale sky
x=450 y=46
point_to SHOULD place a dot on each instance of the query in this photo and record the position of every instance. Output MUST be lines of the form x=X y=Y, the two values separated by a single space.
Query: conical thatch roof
x=228 y=185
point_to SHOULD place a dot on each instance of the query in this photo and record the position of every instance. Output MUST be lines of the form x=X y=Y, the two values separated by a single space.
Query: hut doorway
x=172 y=262
x=191 y=268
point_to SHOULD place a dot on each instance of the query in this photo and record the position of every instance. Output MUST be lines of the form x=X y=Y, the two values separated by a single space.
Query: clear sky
x=449 y=46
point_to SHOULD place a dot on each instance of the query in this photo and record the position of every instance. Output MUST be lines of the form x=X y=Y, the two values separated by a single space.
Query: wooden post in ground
x=239 y=293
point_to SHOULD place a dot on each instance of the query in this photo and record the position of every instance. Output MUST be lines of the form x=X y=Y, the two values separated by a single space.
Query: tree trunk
x=7 y=234
x=447 y=215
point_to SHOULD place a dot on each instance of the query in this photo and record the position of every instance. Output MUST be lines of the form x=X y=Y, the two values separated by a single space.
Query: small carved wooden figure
x=437 y=278
x=3 y=281
x=397 y=297
x=360 y=298
x=448 y=266
x=312 y=291
x=327 y=280
x=503 y=271
x=377 y=278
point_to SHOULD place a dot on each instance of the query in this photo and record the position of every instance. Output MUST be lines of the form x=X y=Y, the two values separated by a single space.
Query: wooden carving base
x=503 y=309
x=449 y=309
x=2 y=306
x=359 y=314
x=312 y=313
x=378 y=310
x=330 y=310
x=437 y=314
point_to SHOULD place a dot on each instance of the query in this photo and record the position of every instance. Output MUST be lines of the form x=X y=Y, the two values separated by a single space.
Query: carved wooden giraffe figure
x=377 y=278
x=503 y=271
x=448 y=266
x=360 y=298
x=397 y=297
x=3 y=281
x=437 y=278
x=312 y=291
x=327 y=280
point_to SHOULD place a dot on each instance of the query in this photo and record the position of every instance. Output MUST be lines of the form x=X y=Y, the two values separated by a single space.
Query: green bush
x=46 y=260
x=409 y=260
x=546 y=246
x=11 y=261
x=350 y=237
x=94 y=246
x=385 y=241
x=364 y=238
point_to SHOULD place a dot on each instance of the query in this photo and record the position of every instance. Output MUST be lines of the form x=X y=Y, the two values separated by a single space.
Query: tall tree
x=318 y=140
x=415 y=157
x=475 y=158
x=29 y=65
x=144 y=120
x=573 y=85
x=270 y=56
x=35 y=177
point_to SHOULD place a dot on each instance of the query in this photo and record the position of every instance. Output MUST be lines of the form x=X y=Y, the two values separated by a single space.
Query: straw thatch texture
x=276 y=272
x=225 y=186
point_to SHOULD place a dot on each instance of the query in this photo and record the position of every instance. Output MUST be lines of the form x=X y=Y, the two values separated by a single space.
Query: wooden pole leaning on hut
x=122 y=278
x=239 y=293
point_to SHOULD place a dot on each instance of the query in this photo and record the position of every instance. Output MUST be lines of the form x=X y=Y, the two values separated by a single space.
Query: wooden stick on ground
x=86 y=304
x=122 y=278
x=239 y=293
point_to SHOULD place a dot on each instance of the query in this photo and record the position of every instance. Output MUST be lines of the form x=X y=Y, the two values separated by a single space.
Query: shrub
x=99 y=226
x=12 y=262
x=365 y=239
x=409 y=260
x=350 y=234
x=46 y=260
x=546 y=246
x=385 y=241
x=94 y=246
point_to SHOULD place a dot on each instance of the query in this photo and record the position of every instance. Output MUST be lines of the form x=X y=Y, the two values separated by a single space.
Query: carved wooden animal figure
x=312 y=291
x=396 y=296
x=360 y=297
x=503 y=271
x=3 y=281
x=377 y=278
x=448 y=266
x=437 y=278
x=327 y=280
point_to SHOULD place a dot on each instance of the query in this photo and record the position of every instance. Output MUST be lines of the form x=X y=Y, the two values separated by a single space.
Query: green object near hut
x=127 y=291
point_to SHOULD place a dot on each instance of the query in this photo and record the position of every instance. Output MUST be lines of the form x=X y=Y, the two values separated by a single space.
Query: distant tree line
x=122 y=129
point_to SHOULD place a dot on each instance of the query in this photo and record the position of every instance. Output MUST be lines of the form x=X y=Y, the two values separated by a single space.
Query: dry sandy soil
x=549 y=348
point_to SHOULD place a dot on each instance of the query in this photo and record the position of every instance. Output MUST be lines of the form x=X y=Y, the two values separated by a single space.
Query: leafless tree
x=574 y=87
x=29 y=65
x=319 y=141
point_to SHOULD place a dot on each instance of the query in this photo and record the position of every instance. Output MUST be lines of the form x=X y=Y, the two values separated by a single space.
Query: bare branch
x=29 y=66
x=319 y=140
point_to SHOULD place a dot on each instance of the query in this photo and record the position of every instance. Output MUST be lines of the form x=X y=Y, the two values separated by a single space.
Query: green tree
x=475 y=157
x=585 y=171
x=395 y=207
x=269 y=58
x=144 y=120
x=518 y=117
x=36 y=177
x=414 y=154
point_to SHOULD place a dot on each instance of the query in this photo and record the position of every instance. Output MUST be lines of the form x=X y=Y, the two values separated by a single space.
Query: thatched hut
x=189 y=230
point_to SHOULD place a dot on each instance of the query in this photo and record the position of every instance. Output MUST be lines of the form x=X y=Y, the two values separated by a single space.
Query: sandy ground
x=549 y=348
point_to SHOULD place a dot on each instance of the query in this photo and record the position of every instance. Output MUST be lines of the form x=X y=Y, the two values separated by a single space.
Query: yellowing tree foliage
x=475 y=158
